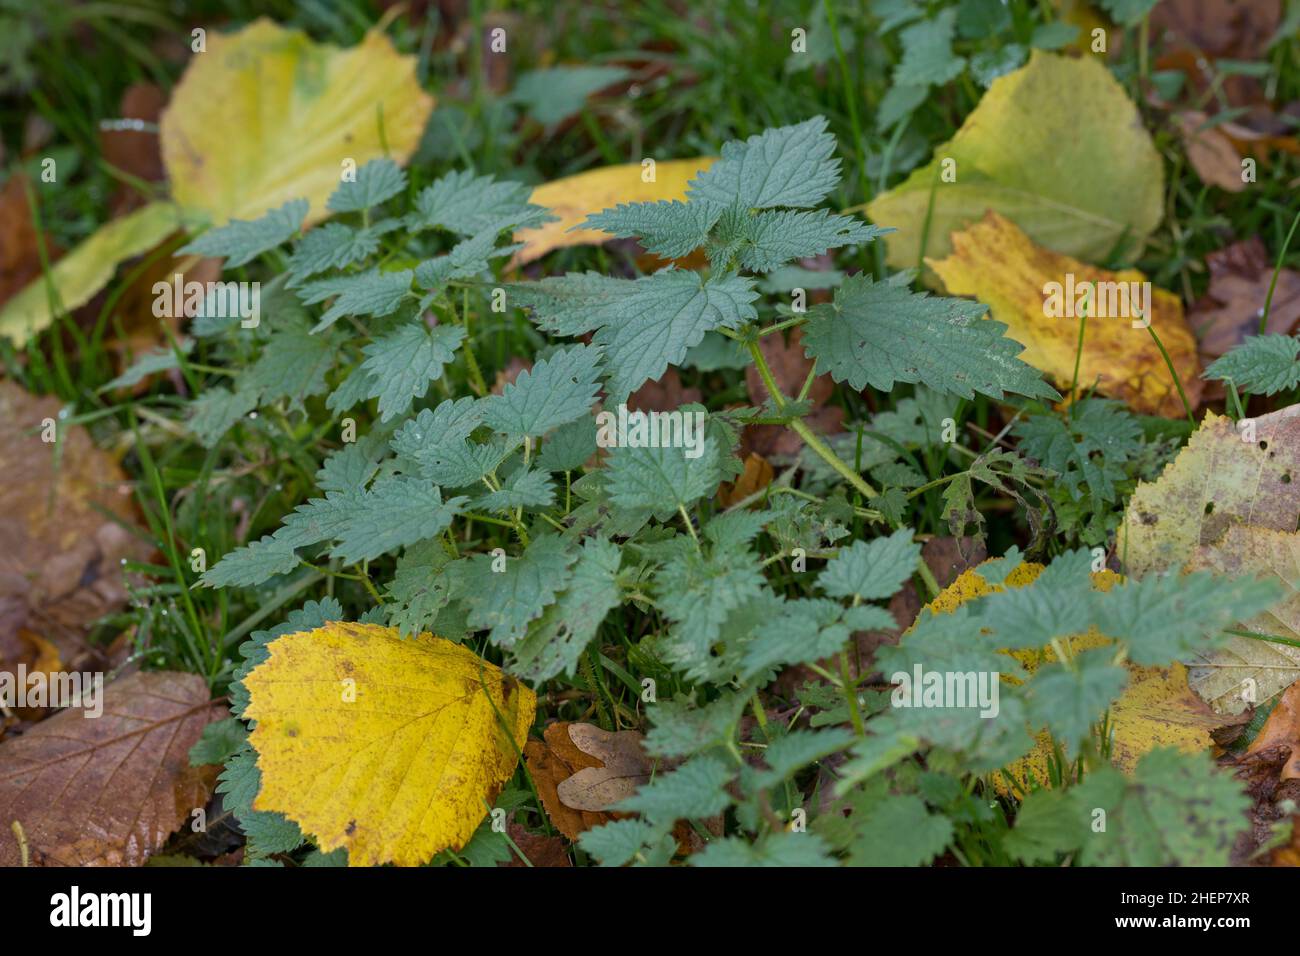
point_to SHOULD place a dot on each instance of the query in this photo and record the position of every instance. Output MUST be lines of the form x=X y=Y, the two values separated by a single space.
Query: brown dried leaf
x=1210 y=152
x=541 y=850
x=663 y=395
x=1282 y=729
x=623 y=768
x=1230 y=310
x=20 y=261
x=757 y=475
x=108 y=791
x=790 y=369
x=60 y=555
x=551 y=762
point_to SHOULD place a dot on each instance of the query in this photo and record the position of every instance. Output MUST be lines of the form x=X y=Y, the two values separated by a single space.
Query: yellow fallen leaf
x=1056 y=146
x=574 y=198
x=391 y=748
x=87 y=268
x=266 y=115
x=1156 y=709
x=997 y=263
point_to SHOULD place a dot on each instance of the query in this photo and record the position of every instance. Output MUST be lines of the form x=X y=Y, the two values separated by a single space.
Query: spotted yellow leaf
x=391 y=748
x=266 y=115
x=1156 y=709
x=574 y=198
x=997 y=263
x=84 y=271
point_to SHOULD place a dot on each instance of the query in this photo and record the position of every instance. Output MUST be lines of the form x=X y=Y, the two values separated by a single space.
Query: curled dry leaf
x=109 y=790
x=60 y=553
x=1282 y=729
x=997 y=263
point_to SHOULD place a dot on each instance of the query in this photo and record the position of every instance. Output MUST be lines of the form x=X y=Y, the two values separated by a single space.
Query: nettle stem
x=800 y=428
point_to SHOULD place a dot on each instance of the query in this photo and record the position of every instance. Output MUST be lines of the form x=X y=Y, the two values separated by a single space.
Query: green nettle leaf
x=150 y=363
x=1068 y=699
x=556 y=93
x=402 y=364
x=396 y=511
x=668 y=229
x=1086 y=449
x=505 y=601
x=372 y=293
x=467 y=204
x=1048 y=824
x=694 y=791
x=466 y=259
x=766 y=240
x=569 y=446
x=267 y=832
x=252 y=564
x=242 y=240
x=419 y=589
x=643 y=325
x=896 y=830
x=555 y=391
x=1171 y=616
x=617 y=843
x=661 y=480
x=522 y=489
x=698 y=594
x=571 y=304
x=376 y=181
x=872 y=570
x=332 y=246
x=667 y=314
x=775 y=849
x=1177 y=810
x=878 y=333
x=293 y=365
x=555 y=641
x=788 y=166
x=217 y=410
x=1263 y=364
x=928 y=59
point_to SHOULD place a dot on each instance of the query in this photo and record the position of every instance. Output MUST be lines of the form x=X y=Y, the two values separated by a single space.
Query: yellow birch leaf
x=1156 y=709
x=266 y=115
x=391 y=748
x=86 y=269
x=1056 y=146
x=997 y=263
x=574 y=198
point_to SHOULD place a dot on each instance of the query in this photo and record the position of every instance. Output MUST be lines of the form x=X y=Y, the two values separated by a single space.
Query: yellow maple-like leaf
x=1156 y=709
x=385 y=746
x=574 y=198
x=267 y=115
x=85 y=270
x=997 y=263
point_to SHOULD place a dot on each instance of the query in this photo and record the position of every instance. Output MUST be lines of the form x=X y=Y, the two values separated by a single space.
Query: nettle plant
x=491 y=519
